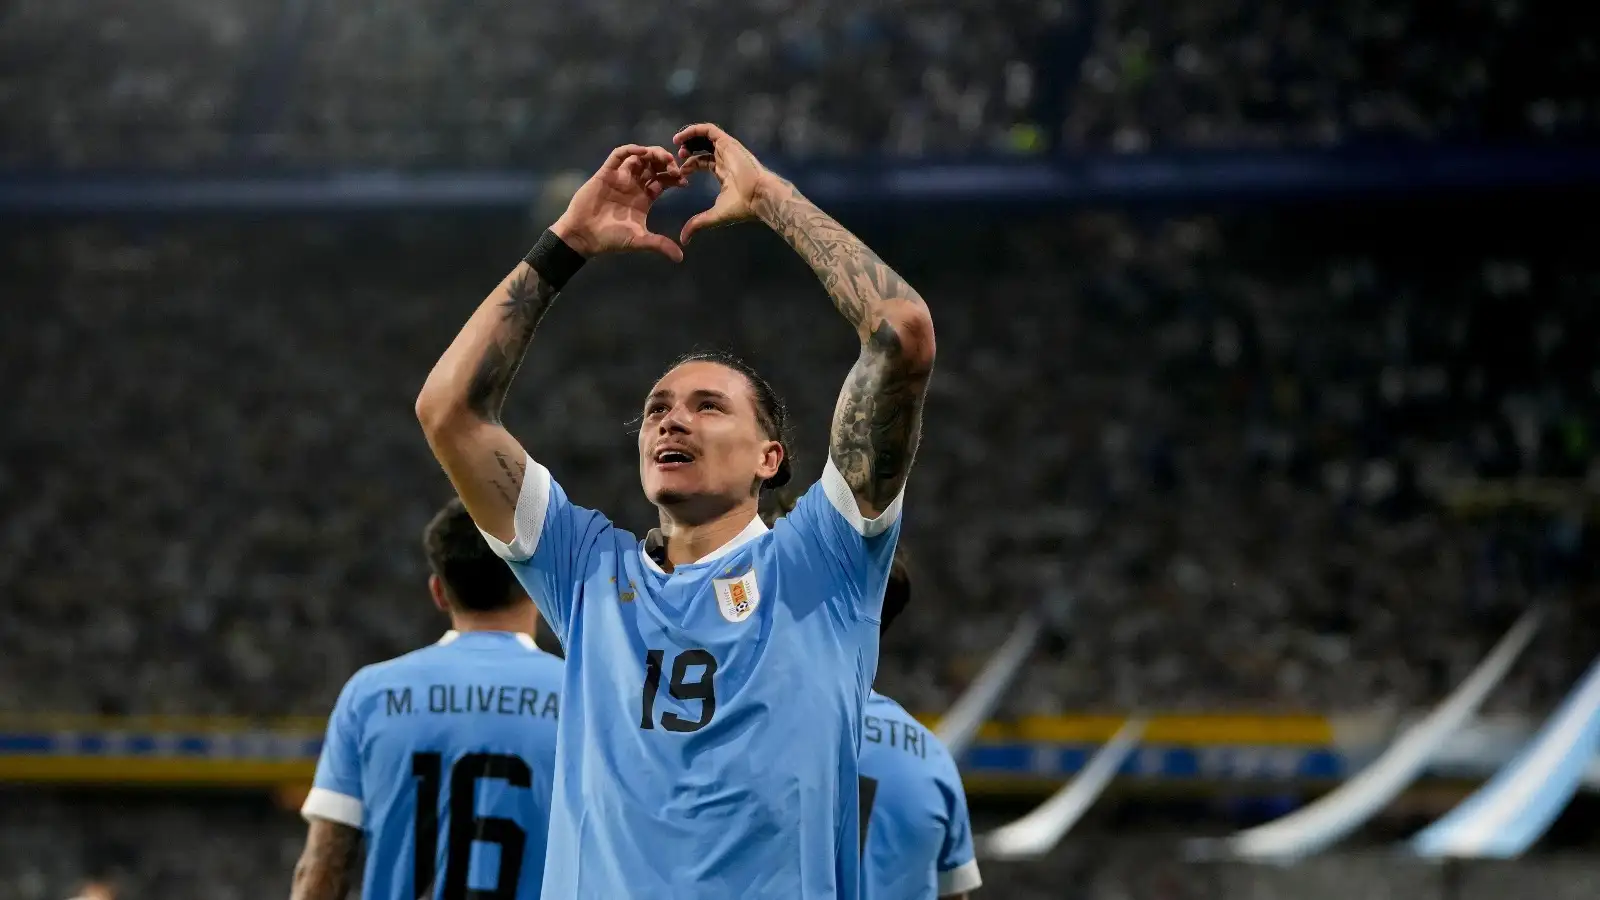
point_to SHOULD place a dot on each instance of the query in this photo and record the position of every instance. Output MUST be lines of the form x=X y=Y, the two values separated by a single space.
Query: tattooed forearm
x=528 y=298
x=877 y=419
x=323 y=872
x=879 y=413
x=859 y=282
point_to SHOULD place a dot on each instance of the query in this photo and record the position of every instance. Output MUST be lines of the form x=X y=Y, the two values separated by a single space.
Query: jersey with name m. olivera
x=445 y=758
x=711 y=716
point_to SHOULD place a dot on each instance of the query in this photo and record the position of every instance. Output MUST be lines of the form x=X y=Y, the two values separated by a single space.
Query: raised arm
x=324 y=869
x=460 y=403
x=878 y=418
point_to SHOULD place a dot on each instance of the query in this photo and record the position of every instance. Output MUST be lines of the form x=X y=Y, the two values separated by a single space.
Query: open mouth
x=672 y=458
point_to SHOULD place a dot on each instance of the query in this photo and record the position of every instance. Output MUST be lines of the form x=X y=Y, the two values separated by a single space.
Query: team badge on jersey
x=737 y=597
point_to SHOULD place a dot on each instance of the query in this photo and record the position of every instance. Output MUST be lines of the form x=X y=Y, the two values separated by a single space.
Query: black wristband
x=555 y=262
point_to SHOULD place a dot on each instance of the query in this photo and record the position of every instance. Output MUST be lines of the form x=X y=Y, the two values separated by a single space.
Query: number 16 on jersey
x=466 y=825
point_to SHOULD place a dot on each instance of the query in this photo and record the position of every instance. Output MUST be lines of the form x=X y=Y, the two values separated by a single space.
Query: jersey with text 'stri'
x=445 y=759
x=711 y=717
x=917 y=842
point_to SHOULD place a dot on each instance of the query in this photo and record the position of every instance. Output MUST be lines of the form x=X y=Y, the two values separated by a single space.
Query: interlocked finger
x=656 y=171
x=704 y=163
x=622 y=155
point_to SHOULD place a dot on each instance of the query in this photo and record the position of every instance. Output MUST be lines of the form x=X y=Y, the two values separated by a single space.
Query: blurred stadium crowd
x=1285 y=459
x=1251 y=446
x=420 y=83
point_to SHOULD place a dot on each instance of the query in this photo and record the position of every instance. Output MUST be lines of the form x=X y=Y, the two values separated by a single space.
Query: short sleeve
x=858 y=551
x=554 y=546
x=336 y=791
x=958 y=864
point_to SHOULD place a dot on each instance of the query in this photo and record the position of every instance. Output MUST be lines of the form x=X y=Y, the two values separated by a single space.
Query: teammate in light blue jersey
x=916 y=838
x=717 y=670
x=443 y=758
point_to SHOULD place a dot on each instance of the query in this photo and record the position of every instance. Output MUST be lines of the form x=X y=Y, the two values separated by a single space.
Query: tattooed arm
x=879 y=413
x=324 y=869
x=878 y=417
x=460 y=403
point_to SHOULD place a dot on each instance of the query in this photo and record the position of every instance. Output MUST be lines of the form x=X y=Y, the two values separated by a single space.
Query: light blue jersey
x=917 y=840
x=445 y=758
x=711 y=717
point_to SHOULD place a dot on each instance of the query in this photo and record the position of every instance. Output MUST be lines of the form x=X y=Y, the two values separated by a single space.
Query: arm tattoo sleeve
x=877 y=420
x=323 y=872
x=857 y=280
x=879 y=413
x=528 y=299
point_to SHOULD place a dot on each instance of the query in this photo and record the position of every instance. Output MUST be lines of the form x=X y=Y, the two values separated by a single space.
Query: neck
x=519 y=617
x=689 y=543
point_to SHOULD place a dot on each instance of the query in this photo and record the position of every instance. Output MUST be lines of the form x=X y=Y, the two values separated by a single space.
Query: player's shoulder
x=547 y=517
x=374 y=676
x=938 y=755
x=518 y=651
x=592 y=520
x=881 y=705
x=818 y=500
x=804 y=528
x=543 y=665
x=444 y=657
x=828 y=512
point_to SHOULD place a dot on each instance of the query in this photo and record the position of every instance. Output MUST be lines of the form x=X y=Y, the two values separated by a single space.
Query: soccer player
x=445 y=757
x=716 y=671
x=916 y=837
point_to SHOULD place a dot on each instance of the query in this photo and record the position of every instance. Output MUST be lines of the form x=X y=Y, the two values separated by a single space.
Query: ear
x=771 y=458
x=436 y=590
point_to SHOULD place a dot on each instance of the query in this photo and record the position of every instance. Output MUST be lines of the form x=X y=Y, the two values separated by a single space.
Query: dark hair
x=771 y=415
x=474 y=577
x=896 y=594
x=776 y=504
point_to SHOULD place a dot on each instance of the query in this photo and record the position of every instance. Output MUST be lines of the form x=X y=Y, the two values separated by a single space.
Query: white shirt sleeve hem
x=844 y=501
x=333 y=806
x=960 y=880
x=528 y=520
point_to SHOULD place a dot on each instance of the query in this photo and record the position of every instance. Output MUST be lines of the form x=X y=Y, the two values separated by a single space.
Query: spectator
x=1247 y=451
x=416 y=84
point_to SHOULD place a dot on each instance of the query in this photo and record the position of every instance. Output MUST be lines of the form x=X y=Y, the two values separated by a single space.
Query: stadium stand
x=1289 y=458
x=419 y=84
x=1244 y=449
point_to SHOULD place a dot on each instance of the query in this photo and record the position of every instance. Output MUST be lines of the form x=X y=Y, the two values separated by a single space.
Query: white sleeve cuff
x=333 y=806
x=960 y=880
x=529 y=517
x=844 y=501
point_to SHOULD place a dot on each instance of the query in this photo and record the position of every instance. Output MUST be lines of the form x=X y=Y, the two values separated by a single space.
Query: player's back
x=446 y=758
x=916 y=839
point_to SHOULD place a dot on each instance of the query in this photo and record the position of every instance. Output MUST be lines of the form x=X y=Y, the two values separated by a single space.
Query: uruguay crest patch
x=737 y=597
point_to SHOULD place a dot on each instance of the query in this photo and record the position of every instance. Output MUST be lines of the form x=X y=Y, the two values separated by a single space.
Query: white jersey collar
x=656 y=540
x=523 y=638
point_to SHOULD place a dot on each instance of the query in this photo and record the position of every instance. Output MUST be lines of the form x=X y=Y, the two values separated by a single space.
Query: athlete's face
x=700 y=438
